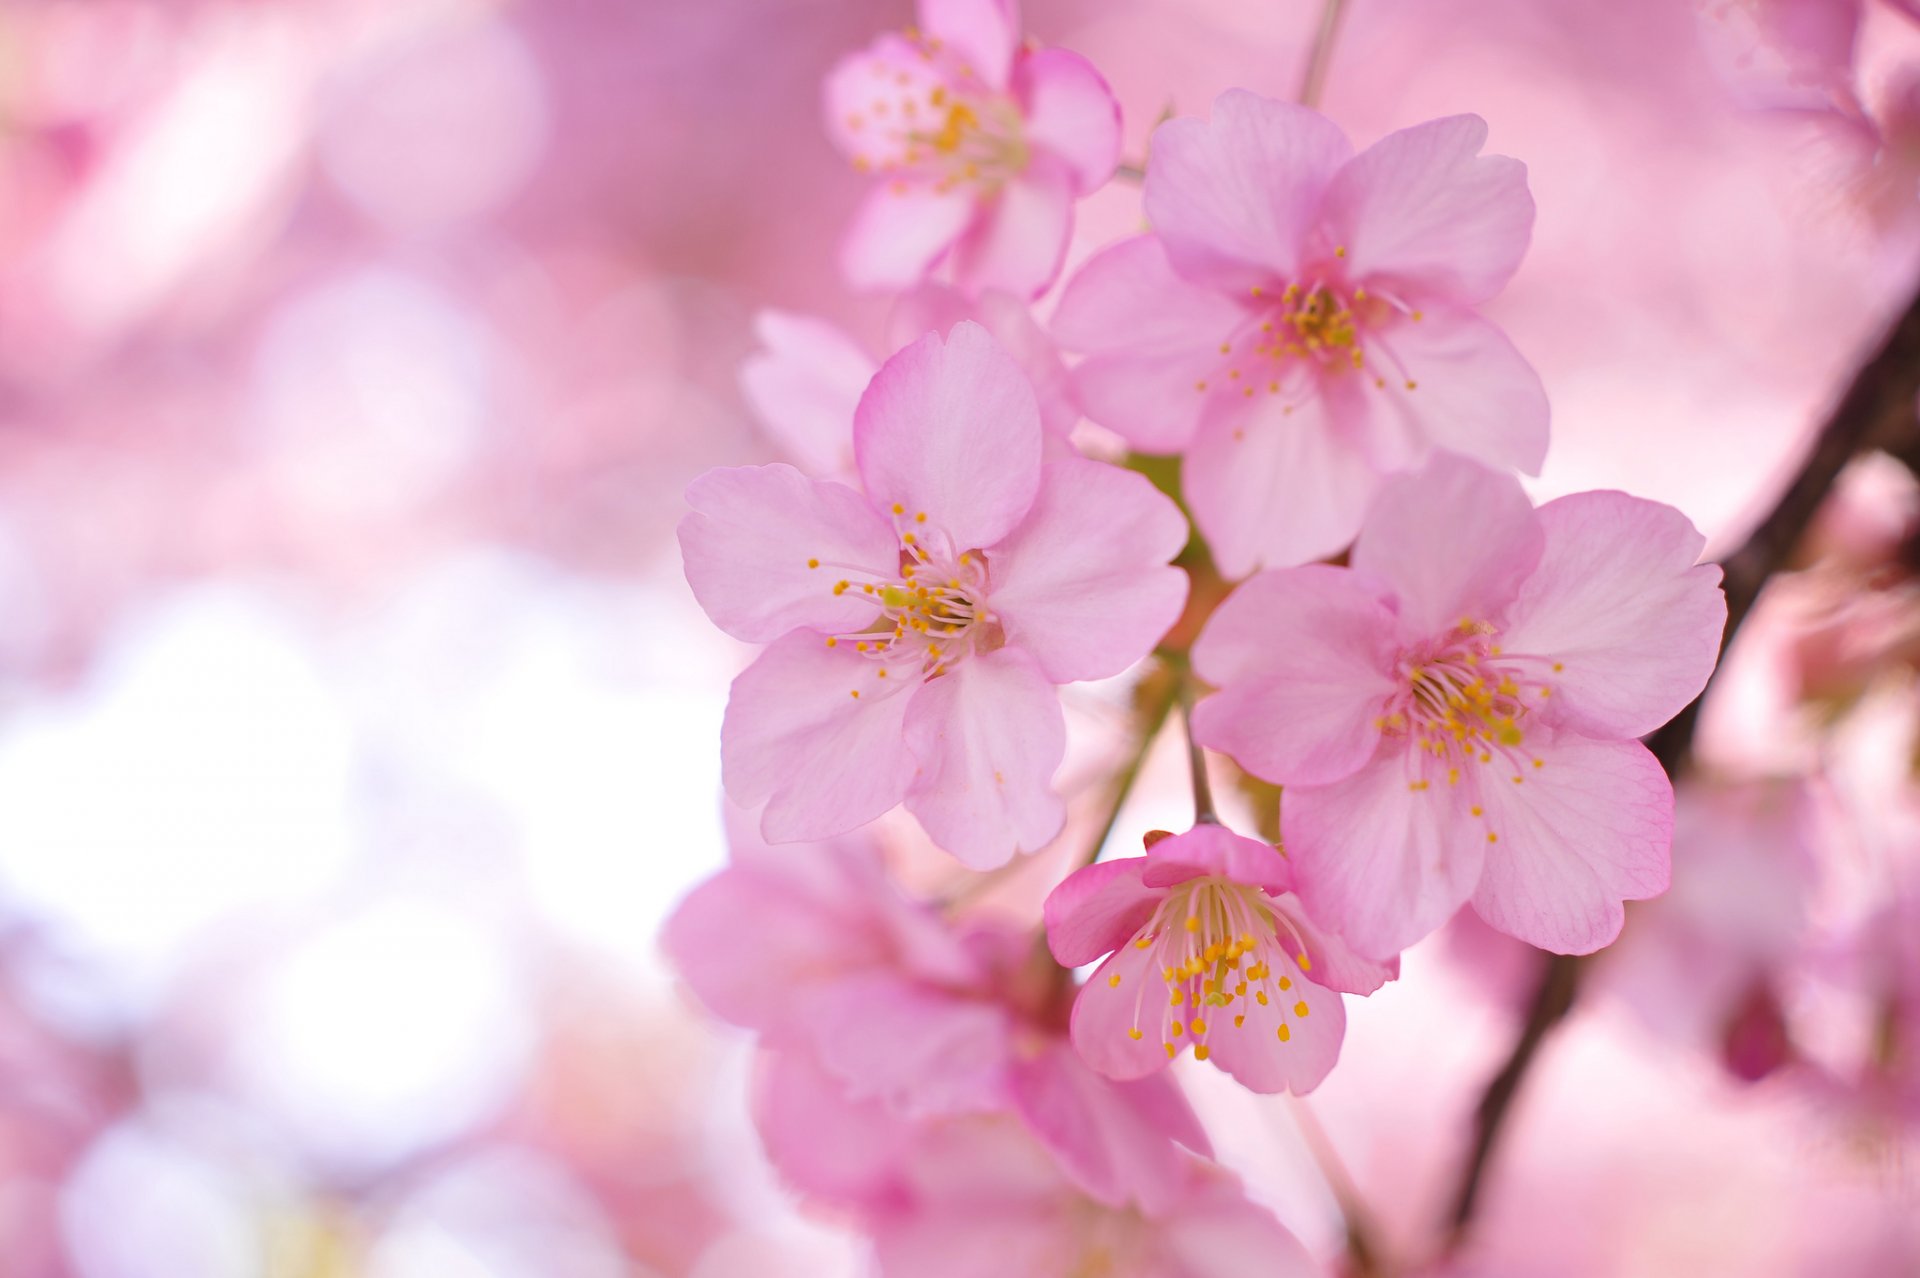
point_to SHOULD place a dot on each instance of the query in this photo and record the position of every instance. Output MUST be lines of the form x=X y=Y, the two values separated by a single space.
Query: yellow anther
x=1260 y=997
x=813 y=563
x=832 y=642
x=1143 y=943
x=1172 y=1051
x=1239 y=1021
x=1285 y=1033
x=1412 y=385
x=856 y=694
x=898 y=509
x=1176 y=1029
x=1492 y=837
x=1193 y=923
x=1286 y=983
x=1176 y=998
x=1301 y=1008
x=1557 y=667
x=1135 y=1034
x=1200 y=1052
x=1341 y=251
x=1199 y=1027
x=1306 y=964
x=1539 y=763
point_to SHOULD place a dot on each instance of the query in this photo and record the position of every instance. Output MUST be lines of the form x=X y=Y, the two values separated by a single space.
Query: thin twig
x=1203 y=813
x=1313 y=79
x=1369 y=1260
x=1877 y=410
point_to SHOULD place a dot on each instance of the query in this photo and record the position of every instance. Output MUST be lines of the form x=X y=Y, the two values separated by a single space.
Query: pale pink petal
x=1071 y=113
x=1106 y=1142
x=984 y=33
x=921 y=1050
x=1255 y=1054
x=1213 y=849
x=1302 y=658
x=1000 y=1240
x=1097 y=909
x=1454 y=539
x=1083 y=584
x=765 y=546
x=1234 y=197
x=1272 y=488
x=1219 y=1232
x=864 y=100
x=1331 y=961
x=936 y=308
x=950 y=428
x=1621 y=604
x=1421 y=212
x=804 y=384
x=796 y=739
x=986 y=738
x=901 y=230
x=1019 y=237
x=1591 y=828
x=1472 y=392
x=1106 y=1012
x=1376 y=861
x=1150 y=337
x=831 y=1148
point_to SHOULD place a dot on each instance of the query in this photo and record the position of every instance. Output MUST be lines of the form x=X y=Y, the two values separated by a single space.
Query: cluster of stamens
x=936 y=122
x=1207 y=930
x=1314 y=327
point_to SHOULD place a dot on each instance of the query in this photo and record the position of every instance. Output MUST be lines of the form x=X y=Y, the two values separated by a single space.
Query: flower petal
x=984 y=32
x=1213 y=849
x=987 y=737
x=826 y=1145
x=1332 y=962
x=1272 y=488
x=765 y=546
x=1097 y=909
x=1422 y=212
x=1083 y=584
x=951 y=428
x=1377 y=862
x=804 y=384
x=1105 y=1013
x=1620 y=602
x=1233 y=197
x=822 y=760
x=1591 y=828
x=901 y=230
x=921 y=1050
x=937 y=308
x=1105 y=1134
x=1070 y=112
x=1301 y=657
x=1454 y=539
x=1217 y=1231
x=1472 y=392
x=1255 y=1054
x=1020 y=237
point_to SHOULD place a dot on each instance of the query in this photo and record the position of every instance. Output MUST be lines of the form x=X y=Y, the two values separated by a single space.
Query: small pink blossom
x=918 y=632
x=981 y=145
x=1301 y=320
x=1207 y=947
x=1453 y=717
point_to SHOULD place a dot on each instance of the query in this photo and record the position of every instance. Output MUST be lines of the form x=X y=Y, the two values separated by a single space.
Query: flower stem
x=1313 y=80
x=1203 y=813
x=1159 y=689
x=1365 y=1253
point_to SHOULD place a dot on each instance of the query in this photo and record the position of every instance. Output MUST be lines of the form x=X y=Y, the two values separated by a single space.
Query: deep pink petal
x=1097 y=909
x=1071 y=113
x=1423 y=213
x=1454 y=539
x=765 y=546
x=1620 y=604
x=1331 y=961
x=921 y=1050
x=1255 y=1054
x=821 y=759
x=1019 y=239
x=804 y=384
x=984 y=33
x=1150 y=338
x=901 y=230
x=1272 y=488
x=1083 y=584
x=1233 y=197
x=986 y=738
x=950 y=428
x=1302 y=659
x=1105 y=1013
x=1472 y=393
x=1213 y=849
x=1591 y=828
x=936 y=308
x=1109 y=1145
x=1377 y=862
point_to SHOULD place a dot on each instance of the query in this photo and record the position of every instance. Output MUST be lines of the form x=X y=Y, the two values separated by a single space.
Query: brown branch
x=1877 y=410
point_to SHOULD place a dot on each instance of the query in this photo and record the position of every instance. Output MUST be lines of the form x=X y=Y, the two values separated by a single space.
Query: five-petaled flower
x=918 y=632
x=1453 y=717
x=1300 y=321
x=1209 y=948
x=980 y=146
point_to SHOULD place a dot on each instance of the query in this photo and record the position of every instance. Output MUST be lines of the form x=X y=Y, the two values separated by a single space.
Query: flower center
x=931 y=118
x=1218 y=946
x=1314 y=328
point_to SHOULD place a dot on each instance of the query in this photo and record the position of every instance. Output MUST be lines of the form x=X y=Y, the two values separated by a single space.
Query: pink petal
x=1097 y=909
x=1104 y=1013
x=1234 y=197
x=950 y=428
x=1071 y=113
x=1473 y=394
x=1422 y=213
x=863 y=99
x=1219 y=1232
x=1213 y=849
x=1019 y=238
x=1083 y=584
x=921 y=1050
x=1105 y=1141
x=987 y=737
x=1377 y=862
x=803 y=385
x=765 y=546
x=1454 y=539
x=1591 y=828
x=1335 y=964
x=1271 y=488
x=1302 y=659
x=822 y=761
x=827 y=1146
x=902 y=229
x=1255 y=1054
x=1622 y=604
x=984 y=33
x=1150 y=336
x=937 y=308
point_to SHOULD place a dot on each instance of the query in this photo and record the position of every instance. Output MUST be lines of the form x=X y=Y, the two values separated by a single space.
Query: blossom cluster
x=1446 y=684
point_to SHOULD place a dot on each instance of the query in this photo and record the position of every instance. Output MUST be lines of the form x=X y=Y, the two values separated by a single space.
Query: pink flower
x=918 y=632
x=1454 y=716
x=1301 y=320
x=1207 y=947
x=981 y=144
